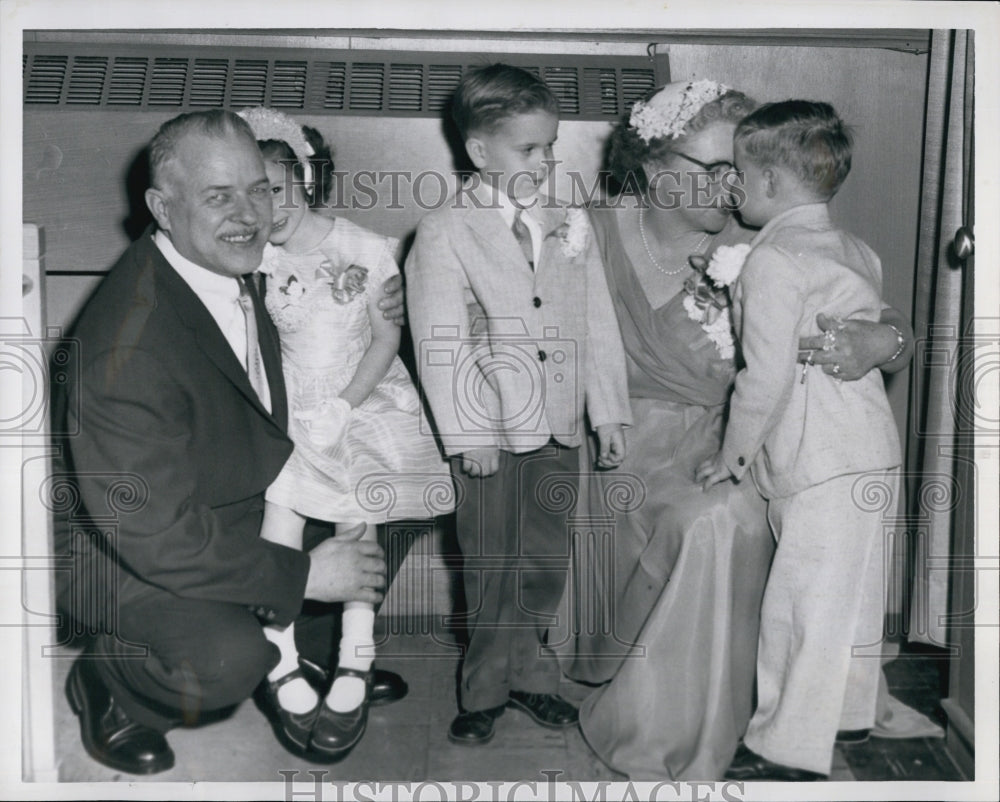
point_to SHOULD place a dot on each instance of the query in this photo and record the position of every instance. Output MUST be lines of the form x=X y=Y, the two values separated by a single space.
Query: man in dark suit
x=180 y=587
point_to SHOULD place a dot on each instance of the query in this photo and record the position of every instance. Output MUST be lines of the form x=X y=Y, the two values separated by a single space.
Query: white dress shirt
x=220 y=295
x=489 y=195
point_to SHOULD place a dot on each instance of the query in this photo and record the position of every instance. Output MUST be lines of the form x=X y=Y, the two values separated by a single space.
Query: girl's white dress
x=386 y=465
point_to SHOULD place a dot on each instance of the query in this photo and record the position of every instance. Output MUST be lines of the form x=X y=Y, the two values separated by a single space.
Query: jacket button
x=741 y=462
x=542 y=356
x=537 y=301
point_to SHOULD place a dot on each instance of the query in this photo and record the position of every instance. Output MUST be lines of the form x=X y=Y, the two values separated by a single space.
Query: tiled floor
x=407 y=741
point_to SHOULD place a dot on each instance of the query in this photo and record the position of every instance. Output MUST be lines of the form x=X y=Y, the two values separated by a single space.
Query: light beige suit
x=508 y=356
x=512 y=358
x=818 y=449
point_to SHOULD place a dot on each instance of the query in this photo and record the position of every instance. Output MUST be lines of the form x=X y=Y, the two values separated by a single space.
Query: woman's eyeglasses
x=717 y=169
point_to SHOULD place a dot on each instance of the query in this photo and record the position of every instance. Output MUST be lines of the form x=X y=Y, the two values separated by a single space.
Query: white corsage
x=573 y=233
x=667 y=112
x=726 y=264
x=707 y=300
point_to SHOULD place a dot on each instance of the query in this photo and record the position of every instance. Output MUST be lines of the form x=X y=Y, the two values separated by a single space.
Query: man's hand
x=611 y=445
x=392 y=302
x=481 y=462
x=346 y=571
x=712 y=471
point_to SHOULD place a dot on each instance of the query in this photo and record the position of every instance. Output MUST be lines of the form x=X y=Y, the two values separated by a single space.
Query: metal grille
x=400 y=84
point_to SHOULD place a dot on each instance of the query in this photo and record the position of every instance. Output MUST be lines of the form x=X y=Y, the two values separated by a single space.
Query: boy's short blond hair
x=489 y=95
x=805 y=136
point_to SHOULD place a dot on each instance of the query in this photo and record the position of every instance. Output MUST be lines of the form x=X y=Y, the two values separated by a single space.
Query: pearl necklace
x=649 y=253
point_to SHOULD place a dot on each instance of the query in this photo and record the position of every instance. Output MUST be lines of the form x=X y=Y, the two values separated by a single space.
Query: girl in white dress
x=364 y=453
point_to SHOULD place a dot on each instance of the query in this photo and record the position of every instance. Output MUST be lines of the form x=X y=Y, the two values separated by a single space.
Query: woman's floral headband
x=270 y=124
x=667 y=112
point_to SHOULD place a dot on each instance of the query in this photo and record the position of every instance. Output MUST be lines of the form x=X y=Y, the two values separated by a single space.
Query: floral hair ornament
x=270 y=124
x=667 y=112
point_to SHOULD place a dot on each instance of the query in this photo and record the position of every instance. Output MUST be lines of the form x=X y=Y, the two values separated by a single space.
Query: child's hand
x=611 y=443
x=712 y=471
x=481 y=462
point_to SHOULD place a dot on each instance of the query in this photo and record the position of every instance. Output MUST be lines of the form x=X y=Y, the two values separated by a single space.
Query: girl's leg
x=357 y=640
x=283 y=525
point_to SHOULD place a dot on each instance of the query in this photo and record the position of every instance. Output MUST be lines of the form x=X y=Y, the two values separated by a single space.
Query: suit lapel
x=210 y=339
x=551 y=217
x=487 y=225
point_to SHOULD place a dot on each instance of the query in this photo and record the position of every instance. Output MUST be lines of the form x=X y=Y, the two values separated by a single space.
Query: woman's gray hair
x=628 y=151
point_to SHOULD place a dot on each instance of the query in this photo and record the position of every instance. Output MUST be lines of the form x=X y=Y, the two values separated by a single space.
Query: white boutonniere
x=573 y=233
x=707 y=300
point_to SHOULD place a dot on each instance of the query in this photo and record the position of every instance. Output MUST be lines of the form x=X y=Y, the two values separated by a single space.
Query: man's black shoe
x=546 y=709
x=109 y=735
x=748 y=765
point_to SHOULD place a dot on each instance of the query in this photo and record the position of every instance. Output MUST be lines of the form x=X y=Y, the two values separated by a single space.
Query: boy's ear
x=156 y=201
x=476 y=149
x=771 y=181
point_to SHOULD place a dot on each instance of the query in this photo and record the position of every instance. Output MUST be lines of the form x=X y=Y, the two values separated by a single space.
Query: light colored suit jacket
x=507 y=356
x=797 y=434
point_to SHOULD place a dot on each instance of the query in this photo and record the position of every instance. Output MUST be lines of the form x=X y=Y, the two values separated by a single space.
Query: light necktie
x=523 y=237
x=255 y=363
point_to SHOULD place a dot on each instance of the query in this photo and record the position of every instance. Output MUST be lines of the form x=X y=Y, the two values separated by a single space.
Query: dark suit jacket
x=175 y=448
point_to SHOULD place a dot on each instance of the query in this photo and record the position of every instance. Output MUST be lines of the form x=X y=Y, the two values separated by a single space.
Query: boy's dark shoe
x=748 y=765
x=853 y=736
x=547 y=709
x=474 y=727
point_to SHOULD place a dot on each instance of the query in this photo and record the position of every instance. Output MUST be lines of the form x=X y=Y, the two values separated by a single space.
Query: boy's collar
x=806 y=213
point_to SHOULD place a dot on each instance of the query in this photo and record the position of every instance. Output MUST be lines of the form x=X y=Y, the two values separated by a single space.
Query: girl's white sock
x=298 y=695
x=357 y=650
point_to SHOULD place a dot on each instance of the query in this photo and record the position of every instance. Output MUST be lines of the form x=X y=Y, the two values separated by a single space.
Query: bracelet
x=900 y=344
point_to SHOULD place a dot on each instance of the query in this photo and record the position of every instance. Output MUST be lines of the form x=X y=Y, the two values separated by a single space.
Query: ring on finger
x=836 y=368
x=809 y=358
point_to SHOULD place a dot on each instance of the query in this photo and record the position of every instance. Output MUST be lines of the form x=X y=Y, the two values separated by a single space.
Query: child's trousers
x=818 y=657
x=514 y=535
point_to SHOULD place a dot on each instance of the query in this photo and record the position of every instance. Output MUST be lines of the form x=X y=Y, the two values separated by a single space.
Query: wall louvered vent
x=399 y=84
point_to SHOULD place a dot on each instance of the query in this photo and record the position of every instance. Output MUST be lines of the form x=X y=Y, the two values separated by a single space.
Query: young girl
x=360 y=457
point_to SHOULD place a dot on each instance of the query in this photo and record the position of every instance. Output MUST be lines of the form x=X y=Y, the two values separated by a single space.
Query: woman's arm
x=859 y=345
x=374 y=364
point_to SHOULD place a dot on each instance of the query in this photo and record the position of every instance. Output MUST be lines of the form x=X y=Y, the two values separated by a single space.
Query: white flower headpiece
x=667 y=112
x=271 y=124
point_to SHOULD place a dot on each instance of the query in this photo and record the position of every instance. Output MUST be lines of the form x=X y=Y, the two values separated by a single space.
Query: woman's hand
x=848 y=349
x=611 y=445
x=712 y=471
x=391 y=302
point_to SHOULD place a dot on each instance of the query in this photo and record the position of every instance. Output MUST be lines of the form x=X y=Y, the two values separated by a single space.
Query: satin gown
x=668 y=579
x=386 y=466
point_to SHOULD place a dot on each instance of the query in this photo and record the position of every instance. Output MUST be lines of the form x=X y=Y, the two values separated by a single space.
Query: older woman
x=679 y=604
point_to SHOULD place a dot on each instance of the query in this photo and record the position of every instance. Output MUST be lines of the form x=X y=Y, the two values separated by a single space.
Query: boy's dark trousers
x=514 y=535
